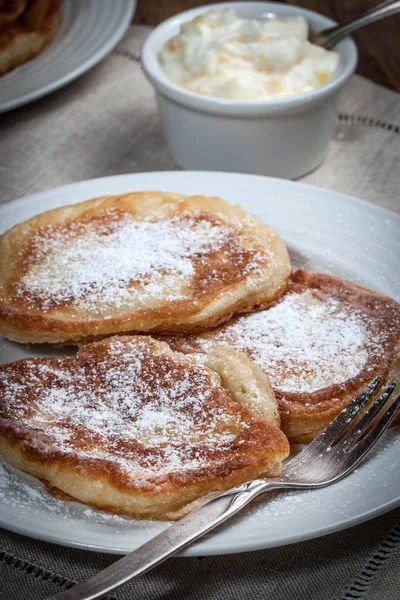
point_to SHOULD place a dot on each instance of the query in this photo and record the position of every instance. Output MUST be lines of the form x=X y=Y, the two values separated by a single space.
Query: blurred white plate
x=89 y=30
x=325 y=231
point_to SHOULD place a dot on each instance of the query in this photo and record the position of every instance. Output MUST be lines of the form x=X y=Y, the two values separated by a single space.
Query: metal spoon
x=327 y=38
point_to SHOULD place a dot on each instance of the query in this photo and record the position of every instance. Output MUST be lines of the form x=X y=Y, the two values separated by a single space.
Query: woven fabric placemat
x=361 y=563
x=106 y=123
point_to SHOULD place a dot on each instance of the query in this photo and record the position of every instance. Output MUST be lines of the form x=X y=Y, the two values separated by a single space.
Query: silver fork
x=330 y=457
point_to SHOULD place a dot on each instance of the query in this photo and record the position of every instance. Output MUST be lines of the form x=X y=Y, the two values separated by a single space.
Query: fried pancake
x=319 y=345
x=37 y=12
x=24 y=38
x=10 y=10
x=139 y=262
x=129 y=426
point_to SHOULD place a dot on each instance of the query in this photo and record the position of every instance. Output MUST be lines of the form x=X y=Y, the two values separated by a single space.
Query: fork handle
x=174 y=538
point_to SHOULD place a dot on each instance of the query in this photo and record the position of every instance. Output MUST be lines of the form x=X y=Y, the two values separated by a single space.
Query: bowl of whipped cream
x=240 y=87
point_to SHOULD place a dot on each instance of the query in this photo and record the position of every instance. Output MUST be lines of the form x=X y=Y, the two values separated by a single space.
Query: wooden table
x=378 y=44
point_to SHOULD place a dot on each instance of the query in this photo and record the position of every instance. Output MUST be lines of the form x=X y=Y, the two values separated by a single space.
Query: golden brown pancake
x=139 y=262
x=319 y=345
x=10 y=10
x=26 y=29
x=129 y=426
x=38 y=12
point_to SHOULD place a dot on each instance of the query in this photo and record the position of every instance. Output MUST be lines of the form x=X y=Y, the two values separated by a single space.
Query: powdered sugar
x=31 y=501
x=98 y=266
x=302 y=343
x=136 y=408
x=26 y=505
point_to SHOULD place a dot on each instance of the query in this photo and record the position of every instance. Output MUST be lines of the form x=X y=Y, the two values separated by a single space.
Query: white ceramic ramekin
x=282 y=138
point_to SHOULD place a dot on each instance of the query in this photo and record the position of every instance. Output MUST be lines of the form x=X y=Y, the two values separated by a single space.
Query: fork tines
x=341 y=446
x=338 y=426
x=380 y=426
x=362 y=425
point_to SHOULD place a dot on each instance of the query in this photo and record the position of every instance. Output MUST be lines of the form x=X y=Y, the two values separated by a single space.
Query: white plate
x=89 y=30
x=325 y=231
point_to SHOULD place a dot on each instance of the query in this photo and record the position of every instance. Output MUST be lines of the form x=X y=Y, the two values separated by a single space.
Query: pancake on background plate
x=26 y=27
x=132 y=427
x=139 y=262
x=319 y=345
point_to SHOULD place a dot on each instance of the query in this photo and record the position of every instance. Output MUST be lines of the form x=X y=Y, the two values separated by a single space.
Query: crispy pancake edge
x=180 y=492
x=302 y=423
x=249 y=293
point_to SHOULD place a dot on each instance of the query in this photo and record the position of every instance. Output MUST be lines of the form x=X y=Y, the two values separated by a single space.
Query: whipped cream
x=221 y=54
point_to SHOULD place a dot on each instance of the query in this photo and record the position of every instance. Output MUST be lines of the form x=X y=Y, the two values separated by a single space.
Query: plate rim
x=82 y=183
x=216 y=547
x=60 y=82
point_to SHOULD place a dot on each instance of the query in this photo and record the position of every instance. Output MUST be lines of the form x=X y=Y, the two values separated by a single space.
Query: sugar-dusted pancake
x=132 y=427
x=149 y=261
x=25 y=29
x=319 y=345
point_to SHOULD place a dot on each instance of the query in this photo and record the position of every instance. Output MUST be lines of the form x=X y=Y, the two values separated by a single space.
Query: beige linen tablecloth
x=106 y=123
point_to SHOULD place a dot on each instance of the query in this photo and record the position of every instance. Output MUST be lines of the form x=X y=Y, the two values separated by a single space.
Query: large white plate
x=89 y=31
x=325 y=231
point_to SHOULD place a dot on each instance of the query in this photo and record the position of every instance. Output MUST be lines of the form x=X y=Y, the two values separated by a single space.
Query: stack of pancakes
x=201 y=353
x=26 y=27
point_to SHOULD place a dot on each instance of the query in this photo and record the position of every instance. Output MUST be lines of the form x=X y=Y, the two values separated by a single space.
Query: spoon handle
x=331 y=36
